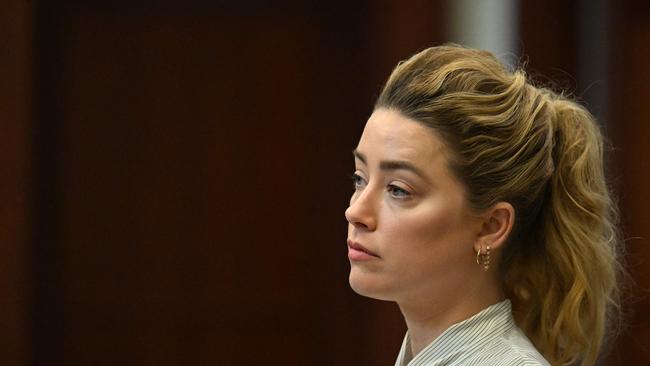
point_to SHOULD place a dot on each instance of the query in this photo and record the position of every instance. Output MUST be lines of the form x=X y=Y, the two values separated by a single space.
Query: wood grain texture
x=631 y=133
x=16 y=22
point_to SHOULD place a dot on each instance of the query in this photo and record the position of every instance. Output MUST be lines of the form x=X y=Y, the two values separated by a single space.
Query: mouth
x=357 y=252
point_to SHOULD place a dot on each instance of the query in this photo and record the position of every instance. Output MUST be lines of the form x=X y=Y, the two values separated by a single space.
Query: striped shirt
x=490 y=337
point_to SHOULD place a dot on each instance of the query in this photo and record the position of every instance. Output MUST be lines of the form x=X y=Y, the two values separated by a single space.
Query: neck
x=428 y=317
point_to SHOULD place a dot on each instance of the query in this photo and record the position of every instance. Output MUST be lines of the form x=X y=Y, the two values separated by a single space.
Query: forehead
x=390 y=135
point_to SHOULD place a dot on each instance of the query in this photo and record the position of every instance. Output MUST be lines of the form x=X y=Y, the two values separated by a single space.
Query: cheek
x=433 y=230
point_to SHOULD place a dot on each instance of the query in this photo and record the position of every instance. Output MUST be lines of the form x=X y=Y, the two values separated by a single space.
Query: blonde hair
x=515 y=142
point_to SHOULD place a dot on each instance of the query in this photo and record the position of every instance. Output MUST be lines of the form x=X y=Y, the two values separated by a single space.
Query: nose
x=362 y=211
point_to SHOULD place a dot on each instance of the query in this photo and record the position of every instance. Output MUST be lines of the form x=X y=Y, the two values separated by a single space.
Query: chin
x=369 y=285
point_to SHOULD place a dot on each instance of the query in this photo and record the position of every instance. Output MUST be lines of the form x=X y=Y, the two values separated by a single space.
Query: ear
x=496 y=226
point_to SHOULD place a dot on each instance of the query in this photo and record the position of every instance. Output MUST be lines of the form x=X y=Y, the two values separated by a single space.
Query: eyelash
x=403 y=192
x=358 y=183
x=357 y=180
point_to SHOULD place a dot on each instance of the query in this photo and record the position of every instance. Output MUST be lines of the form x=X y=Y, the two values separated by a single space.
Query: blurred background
x=174 y=173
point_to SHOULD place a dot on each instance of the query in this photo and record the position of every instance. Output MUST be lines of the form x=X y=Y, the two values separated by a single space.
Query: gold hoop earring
x=483 y=259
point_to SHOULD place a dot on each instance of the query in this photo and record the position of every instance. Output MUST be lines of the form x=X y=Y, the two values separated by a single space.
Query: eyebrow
x=390 y=165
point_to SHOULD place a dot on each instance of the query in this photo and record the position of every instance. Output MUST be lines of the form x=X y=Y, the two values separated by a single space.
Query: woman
x=481 y=208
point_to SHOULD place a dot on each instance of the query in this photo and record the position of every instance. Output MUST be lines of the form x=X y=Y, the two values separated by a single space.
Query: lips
x=353 y=245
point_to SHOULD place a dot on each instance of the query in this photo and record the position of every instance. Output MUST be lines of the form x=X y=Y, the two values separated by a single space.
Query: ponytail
x=572 y=286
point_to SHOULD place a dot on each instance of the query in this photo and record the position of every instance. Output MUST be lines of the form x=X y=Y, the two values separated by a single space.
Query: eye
x=398 y=192
x=358 y=182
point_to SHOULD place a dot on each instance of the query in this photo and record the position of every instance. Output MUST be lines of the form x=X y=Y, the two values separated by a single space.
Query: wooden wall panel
x=16 y=22
x=195 y=159
x=631 y=133
x=549 y=41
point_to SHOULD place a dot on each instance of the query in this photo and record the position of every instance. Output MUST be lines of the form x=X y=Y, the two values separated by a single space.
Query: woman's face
x=411 y=232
